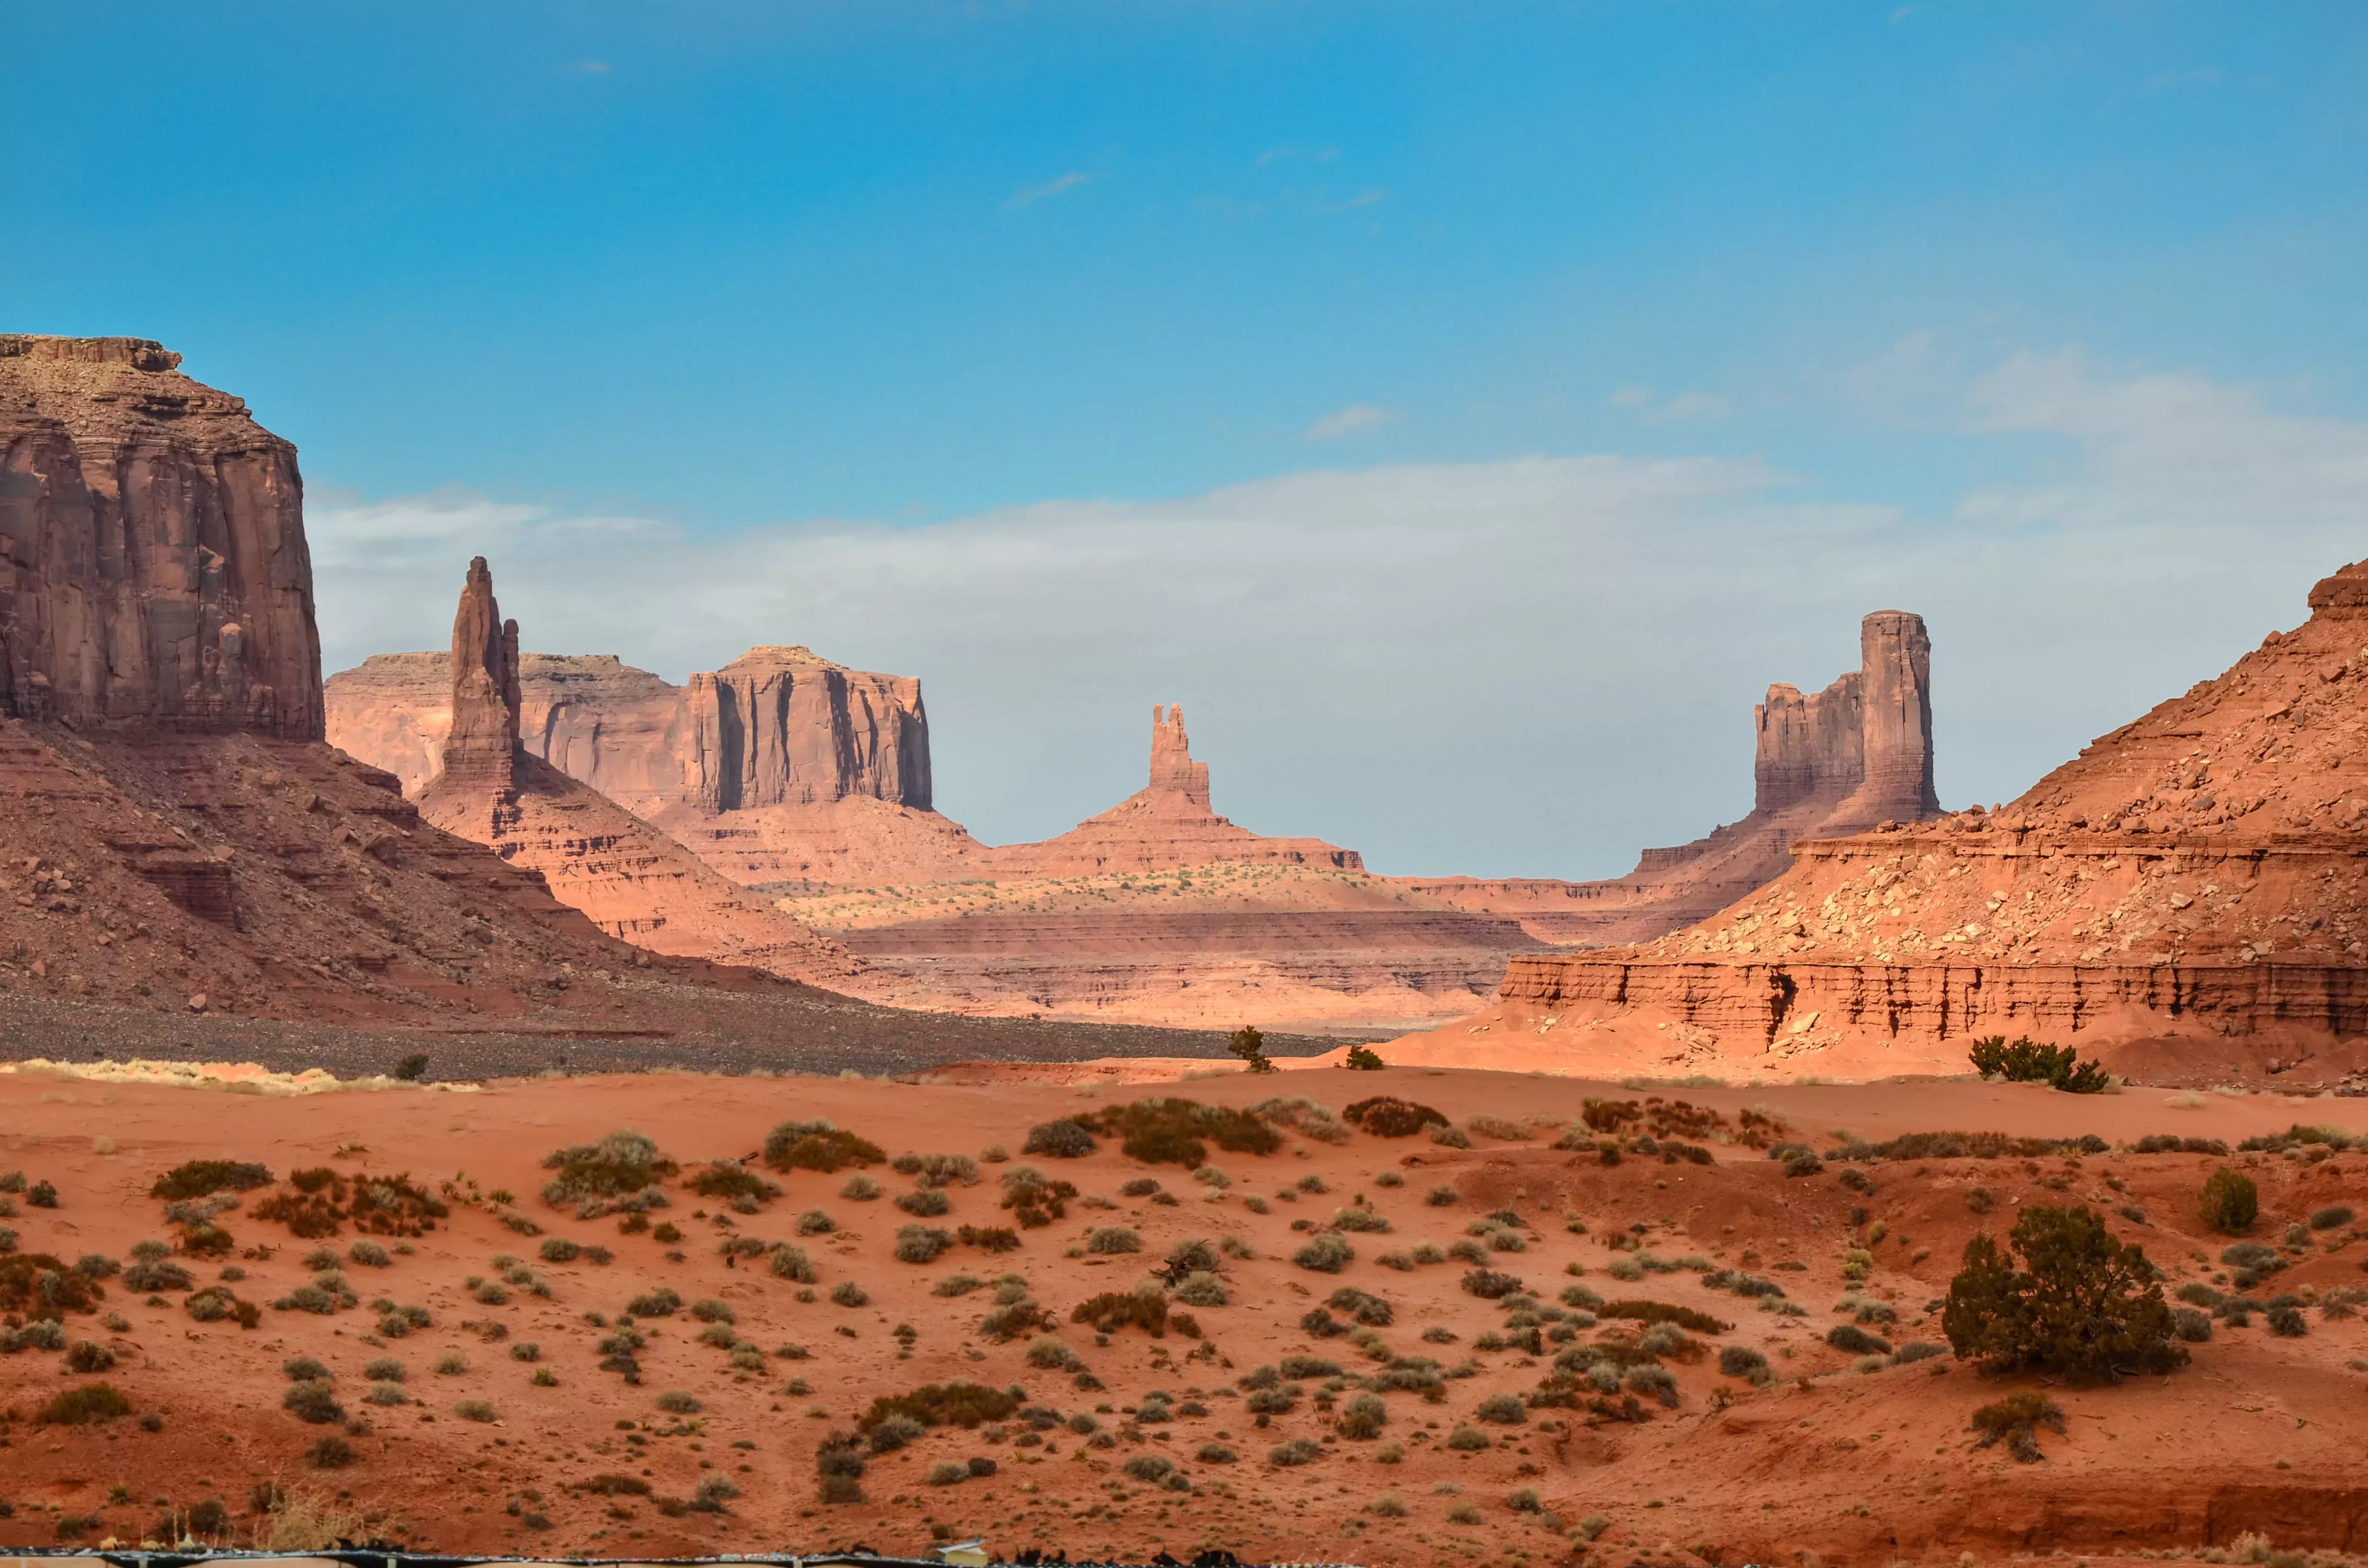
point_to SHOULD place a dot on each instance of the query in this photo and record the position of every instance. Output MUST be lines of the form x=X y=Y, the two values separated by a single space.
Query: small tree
x=2231 y=1202
x=1250 y=1046
x=2082 y=1304
x=1364 y=1059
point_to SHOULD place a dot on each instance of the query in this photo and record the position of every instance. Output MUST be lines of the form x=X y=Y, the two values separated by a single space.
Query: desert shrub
x=1658 y=1311
x=926 y=1202
x=1363 y=1417
x=1387 y=1116
x=847 y=1293
x=385 y=1369
x=313 y=1400
x=1489 y=1285
x=1304 y=1116
x=1971 y=1146
x=594 y=1177
x=919 y=1244
x=1164 y=1130
x=958 y=1285
x=479 y=1410
x=1113 y=1310
x=1857 y=1341
x=2331 y=1218
x=1742 y=1361
x=1496 y=1127
x=861 y=1189
x=988 y=1238
x=658 y=1303
x=2230 y=1202
x=710 y=1309
x=331 y=1453
x=1450 y=1137
x=1327 y=1252
x=2287 y=1322
x=938 y=1170
x=84 y=1357
x=1360 y=1220
x=2083 y=1304
x=1200 y=1289
x=790 y=1262
x=558 y=1249
x=1062 y=1140
x=2015 y=1420
x=203 y=1178
x=1504 y=1409
x=1297 y=1451
x=1364 y=1059
x=1141 y=1187
x=1053 y=1355
x=1150 y=1466
x=958 y=1403
x=2172 y=1144
x=727 y=1181
x=817 y=1146
x=85 y=1405
x=151 y=1277
x=2027 y=1061
x=1371 y=1311
x=1112 y=1240
x=839 y=1466
x=369 y=1254
x=2190 y=1325
x=678 y=1402
x=37 y=1285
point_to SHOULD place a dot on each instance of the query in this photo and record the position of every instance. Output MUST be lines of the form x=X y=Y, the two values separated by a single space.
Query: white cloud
x=1028 y=195
x=1691 y=405
x=1357 y=419
x=1630 y=397
x=1533 y=666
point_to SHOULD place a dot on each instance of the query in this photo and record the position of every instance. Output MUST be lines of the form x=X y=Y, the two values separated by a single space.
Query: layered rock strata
x=2196 y=878
x=628 y=879
x=154 y=571
x=1835 y=762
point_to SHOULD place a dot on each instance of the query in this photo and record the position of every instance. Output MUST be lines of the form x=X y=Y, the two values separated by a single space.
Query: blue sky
x=718 y=324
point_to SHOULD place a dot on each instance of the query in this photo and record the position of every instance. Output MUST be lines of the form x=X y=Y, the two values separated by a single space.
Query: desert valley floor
x=1326 y=1384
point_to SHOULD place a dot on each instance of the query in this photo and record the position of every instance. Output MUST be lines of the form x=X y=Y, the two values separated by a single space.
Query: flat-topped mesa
x=153 y=573
x=481 y=750
x=1173 y=771
x=780 y=726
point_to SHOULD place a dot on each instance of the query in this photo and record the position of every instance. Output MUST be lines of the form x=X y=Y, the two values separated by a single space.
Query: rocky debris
x=153 y=564
x=1833 y=763
x=2200 y=872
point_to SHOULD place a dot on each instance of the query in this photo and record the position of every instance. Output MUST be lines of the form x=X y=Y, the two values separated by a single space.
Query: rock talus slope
x=154 y=571
x=1838 y=761
x=625 y=876
x=2187 y=895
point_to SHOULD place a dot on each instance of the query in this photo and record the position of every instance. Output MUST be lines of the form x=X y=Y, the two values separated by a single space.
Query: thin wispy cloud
x=1357 y=419
x=1630 y=397
x=1371 y=195
x=1028 y=195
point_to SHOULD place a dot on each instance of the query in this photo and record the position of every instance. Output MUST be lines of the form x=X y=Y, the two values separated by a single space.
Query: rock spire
x=481 y=750
x=1172 y=768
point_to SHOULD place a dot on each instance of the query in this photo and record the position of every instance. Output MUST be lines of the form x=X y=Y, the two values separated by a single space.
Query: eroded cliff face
x=153 y=564
x=2198 y=875
x=776 y=726
x=625 y=876
x=1840 y=761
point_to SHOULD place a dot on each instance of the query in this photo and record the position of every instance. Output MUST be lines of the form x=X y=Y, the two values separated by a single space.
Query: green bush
x=1164 y=1130
x=2027 y=1061
x=1387 y=1116
x=2082 y=1304
x=82 y=1406
x=920 y=1243
x=1327 y=1254
x=2230 y=1203
x=958 y=1403
x=1364 y=1059
x=203 y=1178
x=1250 y=1046
x=1062 y=1140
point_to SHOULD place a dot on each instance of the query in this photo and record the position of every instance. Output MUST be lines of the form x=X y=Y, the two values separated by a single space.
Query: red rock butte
x=153 y=573
x=2185 y=896
x=1850 y=757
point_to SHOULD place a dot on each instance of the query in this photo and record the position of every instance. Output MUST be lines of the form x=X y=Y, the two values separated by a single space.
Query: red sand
x=1854 y=1469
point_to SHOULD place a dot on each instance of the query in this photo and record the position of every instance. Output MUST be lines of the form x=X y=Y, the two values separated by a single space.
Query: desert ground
x=459 y=1400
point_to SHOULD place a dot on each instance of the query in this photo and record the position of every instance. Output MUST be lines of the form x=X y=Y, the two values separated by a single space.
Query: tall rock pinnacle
x=1172 y=768
x=483 y=749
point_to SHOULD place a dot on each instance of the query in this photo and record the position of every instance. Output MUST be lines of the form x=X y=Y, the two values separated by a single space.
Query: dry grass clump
x=817 y=1146
x=1061 y=1139
x=988 y=1238
x=620 y=1172
x=1110 y=1241
x=938 y=1170
x=84 y=1406
x=1308 y=1118
x=1496 y=1127
x=925 y=1203
x=2015 y=1420
x=1327 y=1252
